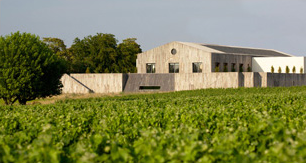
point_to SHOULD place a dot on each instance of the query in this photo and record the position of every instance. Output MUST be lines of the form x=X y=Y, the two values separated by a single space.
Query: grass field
x=213 y=125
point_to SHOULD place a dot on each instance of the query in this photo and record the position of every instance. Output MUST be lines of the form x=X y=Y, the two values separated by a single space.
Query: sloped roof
x=237 y=50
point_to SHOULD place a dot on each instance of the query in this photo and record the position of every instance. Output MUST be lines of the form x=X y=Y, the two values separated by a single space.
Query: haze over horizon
x=271 y=24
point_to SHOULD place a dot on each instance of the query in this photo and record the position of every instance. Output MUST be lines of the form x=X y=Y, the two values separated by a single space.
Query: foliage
x=272 y=69
x=217 y=69
x=249 y=69
x=127 y=55
x=293 y=69
x=233 y=69
x=87 y=70
x=279 y=70
x=301 y=70
x=240 y=68
x=28 y=69
x=287 y=69
x=102 y=55
x=213 y=125
x=225 y=68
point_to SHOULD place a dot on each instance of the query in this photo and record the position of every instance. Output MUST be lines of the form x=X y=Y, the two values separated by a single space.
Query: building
x=183 y=57
x=180 y=66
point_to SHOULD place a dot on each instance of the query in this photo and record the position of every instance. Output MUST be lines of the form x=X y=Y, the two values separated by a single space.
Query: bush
x=293 y=69
x=287 y=70
x=272 y=69
x=28 y=69
x=301 y=70
x=279 y=70
x=216 y=69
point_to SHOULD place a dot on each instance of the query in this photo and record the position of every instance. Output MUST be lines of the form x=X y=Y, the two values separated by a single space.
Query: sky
x=271 y=24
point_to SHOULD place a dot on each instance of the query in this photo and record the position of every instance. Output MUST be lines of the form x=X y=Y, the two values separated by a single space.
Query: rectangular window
x=197 y=67
x=174 y=68
x=150 y=67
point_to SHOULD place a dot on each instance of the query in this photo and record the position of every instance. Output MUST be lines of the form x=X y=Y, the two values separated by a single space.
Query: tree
x=28 y=69
x=127 y=54
x=293 y=69
x=59 y=48
x=287 y=69
x=279 y=70
x=301 y=70
x=272 y=69
x=96 y=52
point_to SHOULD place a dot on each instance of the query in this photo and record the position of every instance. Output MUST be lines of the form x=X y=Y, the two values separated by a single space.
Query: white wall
x=263 y=64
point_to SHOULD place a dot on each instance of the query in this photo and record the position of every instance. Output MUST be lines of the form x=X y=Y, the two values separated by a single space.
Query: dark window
x=197 y=67
x=174 y=68
x=150 y=67
x=173 y=51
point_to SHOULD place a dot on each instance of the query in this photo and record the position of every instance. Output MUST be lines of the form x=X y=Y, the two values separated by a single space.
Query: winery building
x=186 y=66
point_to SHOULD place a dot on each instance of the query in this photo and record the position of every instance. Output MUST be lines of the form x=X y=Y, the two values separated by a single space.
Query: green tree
x=301 y=70
x=96 y=52
x=287 y=69
x=127 y=54
x=272 y=69
x=293 y=69
x=279 y=70
x=59 y=48
x=28 y=69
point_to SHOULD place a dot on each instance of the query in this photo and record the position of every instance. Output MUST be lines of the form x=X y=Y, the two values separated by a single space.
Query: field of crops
x=214 y=125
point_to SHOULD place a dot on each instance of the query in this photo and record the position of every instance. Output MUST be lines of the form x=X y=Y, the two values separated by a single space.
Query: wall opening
x=174 y=68
x=197 y=67
x=233 y=69
x=217 y=65
x=149 y=87
x=225 y=69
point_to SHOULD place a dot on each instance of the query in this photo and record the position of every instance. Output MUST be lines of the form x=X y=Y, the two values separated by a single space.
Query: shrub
x=287 y=70
x=216 y=69
x=272 y=69
x=301 y=70
x=293 y=69
x=279 y=70
x=249 y=69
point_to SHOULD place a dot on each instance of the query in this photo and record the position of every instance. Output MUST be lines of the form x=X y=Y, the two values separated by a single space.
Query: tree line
x=100 y=53
x=31 y=68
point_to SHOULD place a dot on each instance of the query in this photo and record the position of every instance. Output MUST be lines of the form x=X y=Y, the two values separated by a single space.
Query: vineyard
x=213 y=125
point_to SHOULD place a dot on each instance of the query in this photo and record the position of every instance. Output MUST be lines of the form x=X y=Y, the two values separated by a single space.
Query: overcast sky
x=272 y=24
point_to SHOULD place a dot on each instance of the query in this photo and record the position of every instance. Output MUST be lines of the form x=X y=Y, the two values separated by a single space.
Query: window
x=174 y=68
x=197 y=67
x=150 y=67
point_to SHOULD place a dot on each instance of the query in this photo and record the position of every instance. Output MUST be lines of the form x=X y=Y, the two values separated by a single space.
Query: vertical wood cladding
x=162 y=56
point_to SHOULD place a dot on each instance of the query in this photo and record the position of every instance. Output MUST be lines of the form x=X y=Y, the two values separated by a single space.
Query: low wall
x=70 y=85
x=116 y=83
x=161 y=82
x=95 y=83
x=206 y=80
x=285 y=80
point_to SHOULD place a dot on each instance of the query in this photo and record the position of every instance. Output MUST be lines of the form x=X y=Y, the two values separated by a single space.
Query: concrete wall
x=263 y=64
x=70 y=85
x=185 y=56
x=285 y=80
x=206 y=80
x=97 y=83
x=230 y=59
x=132 y=82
